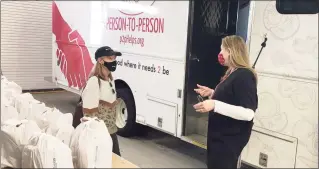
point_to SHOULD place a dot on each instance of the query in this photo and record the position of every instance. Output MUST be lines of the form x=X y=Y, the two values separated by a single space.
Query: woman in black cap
x=99 y=95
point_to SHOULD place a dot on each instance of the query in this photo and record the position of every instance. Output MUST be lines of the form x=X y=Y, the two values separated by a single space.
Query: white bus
x=170 y=46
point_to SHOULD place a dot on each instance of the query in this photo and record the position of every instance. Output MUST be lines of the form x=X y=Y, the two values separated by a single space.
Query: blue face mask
x=111 y=65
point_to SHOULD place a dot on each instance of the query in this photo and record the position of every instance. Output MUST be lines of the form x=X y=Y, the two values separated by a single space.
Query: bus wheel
x=126 y=115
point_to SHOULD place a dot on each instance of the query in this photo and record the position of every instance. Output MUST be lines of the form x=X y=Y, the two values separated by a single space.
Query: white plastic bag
x=24 y=97
x=20 y=130
x=91 y=145
x=29 y=157
x=64 y=134
x=22 y=104
x=33 y=111
x=58 y=121
x=41 y=118
x=46 y=151
x=62 y=128
x=8 y=112
x=29 y=108
x=46 y=118
x=9 y=91
x=15 y=87
x=22 y=100
x=3 y=79
x=15 y=134
x=4 y=100
x=9 y=85
x=66 y=118
x=53 y=116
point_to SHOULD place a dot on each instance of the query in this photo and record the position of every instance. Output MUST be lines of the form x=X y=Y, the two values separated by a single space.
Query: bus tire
x=130 y=127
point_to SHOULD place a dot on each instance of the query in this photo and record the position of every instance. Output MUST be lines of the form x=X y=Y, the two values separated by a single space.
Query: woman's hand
x=204 y=91
x=205 y=106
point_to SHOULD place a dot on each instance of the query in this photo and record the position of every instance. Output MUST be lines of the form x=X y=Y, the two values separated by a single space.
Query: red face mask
x=221 y=59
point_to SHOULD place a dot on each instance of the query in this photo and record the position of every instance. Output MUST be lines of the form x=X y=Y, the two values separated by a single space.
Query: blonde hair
x=97 y=70
x=238 y=57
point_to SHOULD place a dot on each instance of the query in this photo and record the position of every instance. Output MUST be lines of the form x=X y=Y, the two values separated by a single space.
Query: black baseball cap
x=106 y=51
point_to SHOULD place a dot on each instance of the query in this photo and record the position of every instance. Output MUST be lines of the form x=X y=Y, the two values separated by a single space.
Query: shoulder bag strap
x=99 y=81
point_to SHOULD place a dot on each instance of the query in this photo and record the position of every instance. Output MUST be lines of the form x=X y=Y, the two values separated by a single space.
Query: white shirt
x=92 y=93
x=235 y=112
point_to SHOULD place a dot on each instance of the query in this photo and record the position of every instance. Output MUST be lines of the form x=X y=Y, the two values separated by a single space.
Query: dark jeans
x=116 y=147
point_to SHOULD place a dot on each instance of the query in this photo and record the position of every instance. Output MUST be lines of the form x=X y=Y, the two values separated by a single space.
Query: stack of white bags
x=36 y=136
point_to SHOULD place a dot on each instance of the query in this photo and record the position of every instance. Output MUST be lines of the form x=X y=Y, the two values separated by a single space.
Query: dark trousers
x=222 y=155
x=222 y=161
x=116 y=147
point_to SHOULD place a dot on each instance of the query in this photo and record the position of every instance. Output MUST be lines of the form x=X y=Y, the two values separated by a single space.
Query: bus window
x=297 y=6
x=243 y=18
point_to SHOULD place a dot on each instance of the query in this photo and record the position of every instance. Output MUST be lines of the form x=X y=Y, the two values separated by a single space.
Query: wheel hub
x=121 y=115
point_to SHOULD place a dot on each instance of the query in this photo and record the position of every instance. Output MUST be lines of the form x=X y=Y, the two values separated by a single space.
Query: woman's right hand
x=204 y=91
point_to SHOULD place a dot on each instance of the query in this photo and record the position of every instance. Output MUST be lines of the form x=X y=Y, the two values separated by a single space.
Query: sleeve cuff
x=235 y=112
x=218 y=106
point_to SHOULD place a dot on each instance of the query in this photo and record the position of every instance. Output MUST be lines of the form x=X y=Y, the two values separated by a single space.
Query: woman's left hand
x=205 y=106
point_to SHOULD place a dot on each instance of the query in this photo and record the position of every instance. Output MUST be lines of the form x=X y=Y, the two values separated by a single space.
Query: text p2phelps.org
x=129 y=39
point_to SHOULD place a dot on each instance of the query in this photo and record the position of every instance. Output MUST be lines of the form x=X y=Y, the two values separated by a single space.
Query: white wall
x=26 y=52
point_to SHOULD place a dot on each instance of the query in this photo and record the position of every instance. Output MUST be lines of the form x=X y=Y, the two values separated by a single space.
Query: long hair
x=97 y=70
x=239 y=57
